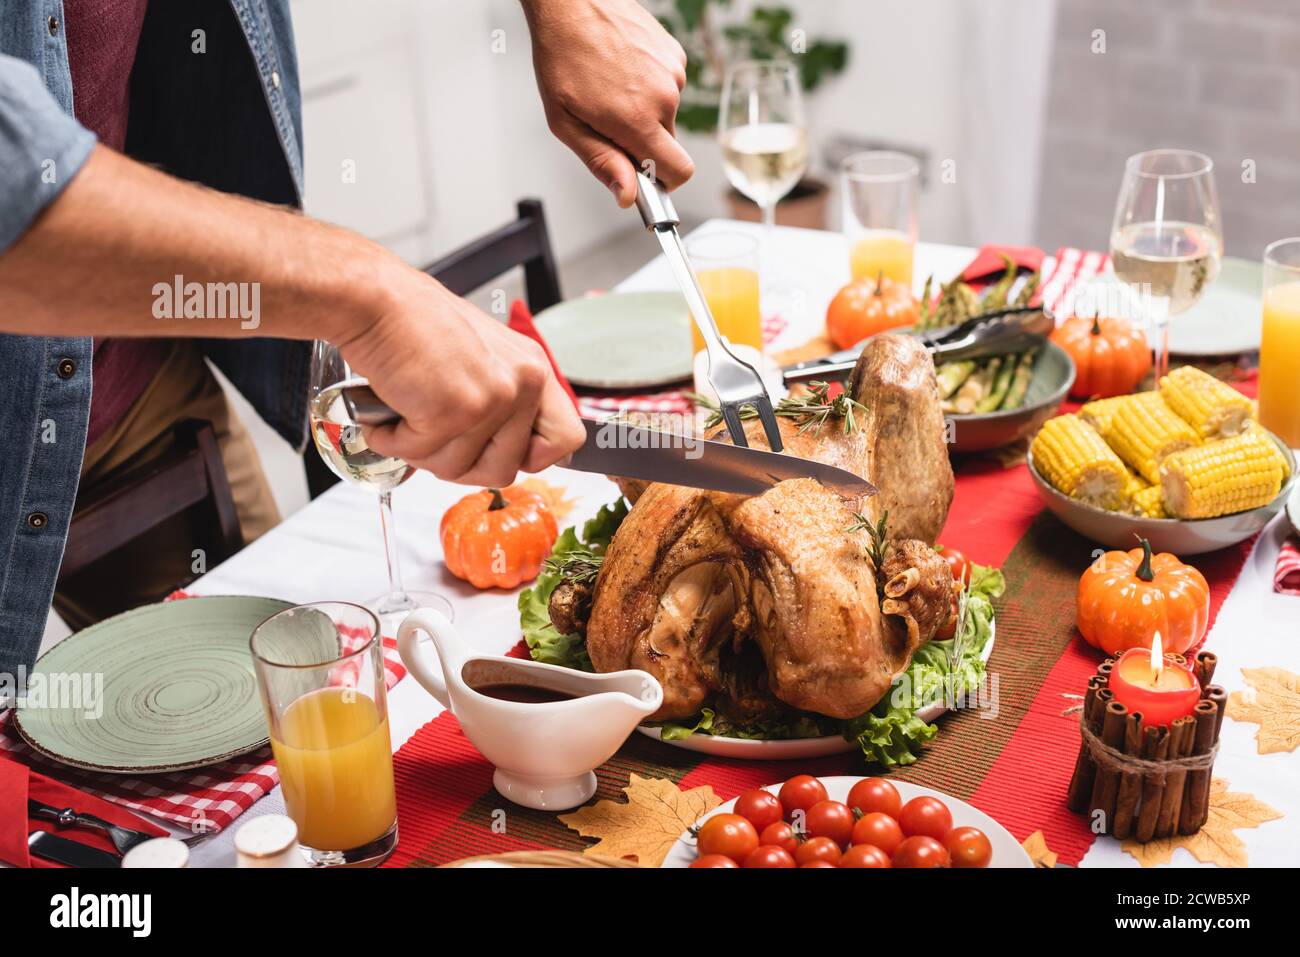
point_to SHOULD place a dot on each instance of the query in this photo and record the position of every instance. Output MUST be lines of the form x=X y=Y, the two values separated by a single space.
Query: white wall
x=447 y=133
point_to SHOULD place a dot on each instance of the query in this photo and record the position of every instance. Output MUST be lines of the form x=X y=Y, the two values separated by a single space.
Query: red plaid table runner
x=1015 y=766
x=205 y=799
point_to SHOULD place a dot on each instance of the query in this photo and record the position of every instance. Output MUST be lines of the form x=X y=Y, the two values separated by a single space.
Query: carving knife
x=616 y=448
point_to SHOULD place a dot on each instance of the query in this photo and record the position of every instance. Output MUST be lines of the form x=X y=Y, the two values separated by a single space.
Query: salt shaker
x=161 y=852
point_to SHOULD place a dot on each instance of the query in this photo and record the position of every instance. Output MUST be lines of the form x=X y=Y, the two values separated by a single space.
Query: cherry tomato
x=879 y=830
x=800 y=793
x=830 y=819
x=817 y=849
x=818 y=864
x=714 y=860
x=769 y=856
x=865 y=855
x=759 y=807
x=958 y=563
x=968 y=846
x=921 y=851
x=875 y=794
x=729 y=835
x=779 y=834
x=926 y=816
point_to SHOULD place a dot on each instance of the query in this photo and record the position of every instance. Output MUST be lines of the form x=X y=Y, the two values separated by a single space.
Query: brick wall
x=1219 y=76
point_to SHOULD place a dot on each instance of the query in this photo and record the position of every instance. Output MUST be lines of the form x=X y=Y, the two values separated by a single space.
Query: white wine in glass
x=765 y=160
x=1167 y=238
x=341 y=443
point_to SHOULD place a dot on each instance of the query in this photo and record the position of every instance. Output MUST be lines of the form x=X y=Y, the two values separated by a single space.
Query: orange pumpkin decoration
x=498 y=537
x=1111 y=356
x=1125 y=597
x=865 y=307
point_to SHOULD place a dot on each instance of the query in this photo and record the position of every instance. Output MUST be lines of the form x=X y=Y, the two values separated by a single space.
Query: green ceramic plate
x=178 y=688
x=623 y=340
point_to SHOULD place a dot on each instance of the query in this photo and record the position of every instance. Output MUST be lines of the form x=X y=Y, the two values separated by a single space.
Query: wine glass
x=761 y=131
x=342 y=444
x=1167 y=236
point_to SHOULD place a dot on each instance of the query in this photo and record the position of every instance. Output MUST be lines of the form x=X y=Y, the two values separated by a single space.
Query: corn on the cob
x=1098 y=412
x=1143 y=430
x=1149 y=502
x=1070 y=455
x=1213 y=408
x=1136 y=483
x=1223 y=476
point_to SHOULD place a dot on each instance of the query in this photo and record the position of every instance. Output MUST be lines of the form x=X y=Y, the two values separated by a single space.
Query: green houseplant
x=715 y=33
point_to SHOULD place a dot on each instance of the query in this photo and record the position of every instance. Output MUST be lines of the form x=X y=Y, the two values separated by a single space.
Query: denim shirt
x=214 y=99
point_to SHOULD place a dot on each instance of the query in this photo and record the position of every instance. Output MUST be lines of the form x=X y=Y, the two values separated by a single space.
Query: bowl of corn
x=1186 y=467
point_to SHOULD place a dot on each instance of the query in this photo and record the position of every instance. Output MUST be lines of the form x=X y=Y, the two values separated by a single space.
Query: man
x=88 y=234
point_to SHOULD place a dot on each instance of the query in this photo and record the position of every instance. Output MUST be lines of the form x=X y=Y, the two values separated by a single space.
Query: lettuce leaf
x=545 y=643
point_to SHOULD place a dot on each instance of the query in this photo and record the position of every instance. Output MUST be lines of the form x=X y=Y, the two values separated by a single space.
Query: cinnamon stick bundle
x=1085 y=769
x=1219 y=695
x=1105 y=790
x=1180 y=746
x=1155 y=747
x=1196 y=799
x=1130 y=781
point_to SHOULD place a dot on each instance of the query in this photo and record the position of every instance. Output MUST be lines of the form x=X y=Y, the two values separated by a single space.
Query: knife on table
x=617 y=448
x=71 y=853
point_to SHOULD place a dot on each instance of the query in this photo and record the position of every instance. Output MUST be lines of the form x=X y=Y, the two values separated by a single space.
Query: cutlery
x=736 y=382
x=617 y=448
x=1009 y=330
x=63 y=851
x=123 y=838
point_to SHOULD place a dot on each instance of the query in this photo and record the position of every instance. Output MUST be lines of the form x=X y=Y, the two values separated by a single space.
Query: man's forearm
x=128 y=251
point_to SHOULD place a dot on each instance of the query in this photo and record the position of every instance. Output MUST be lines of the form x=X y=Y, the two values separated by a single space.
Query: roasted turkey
x=758 y=605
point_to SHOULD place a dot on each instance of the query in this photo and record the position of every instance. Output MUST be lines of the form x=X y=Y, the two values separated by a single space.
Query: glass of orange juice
x=879 y=192
x=1279 y=348
x=726 y=265
x=320 y=669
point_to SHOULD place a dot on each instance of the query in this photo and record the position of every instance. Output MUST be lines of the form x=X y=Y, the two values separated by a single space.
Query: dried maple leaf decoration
x=1035 y=846
x=1216 y=842
x=555 y=496
x=647 y=826
x=1272 y=702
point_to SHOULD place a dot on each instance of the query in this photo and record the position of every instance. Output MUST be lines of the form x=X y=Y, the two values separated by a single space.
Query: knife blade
x=616 y=448
x=73 y=854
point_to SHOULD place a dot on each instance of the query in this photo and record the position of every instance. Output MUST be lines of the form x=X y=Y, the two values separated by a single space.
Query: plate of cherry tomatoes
x=846 y=822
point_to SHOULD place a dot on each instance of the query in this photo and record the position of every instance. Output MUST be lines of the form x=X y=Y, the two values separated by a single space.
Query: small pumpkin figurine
x=1125 y=597
x=1111 y=356
x=498 y=537
x=865 y=307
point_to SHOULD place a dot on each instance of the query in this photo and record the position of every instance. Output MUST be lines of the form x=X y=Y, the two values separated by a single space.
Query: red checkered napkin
x=201 y=799
x=1286 y=577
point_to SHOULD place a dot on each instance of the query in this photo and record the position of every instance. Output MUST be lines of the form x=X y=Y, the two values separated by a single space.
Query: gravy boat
x=544 y=753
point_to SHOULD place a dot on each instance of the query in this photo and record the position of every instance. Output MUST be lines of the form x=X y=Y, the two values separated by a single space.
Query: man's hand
x=611 y=78
x=478 y=401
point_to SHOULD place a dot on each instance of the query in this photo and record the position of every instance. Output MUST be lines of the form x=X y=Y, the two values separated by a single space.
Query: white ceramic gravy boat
x=544 y=753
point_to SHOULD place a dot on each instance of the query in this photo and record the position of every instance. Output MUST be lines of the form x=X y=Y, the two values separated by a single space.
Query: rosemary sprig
x=811 y=410
x=580 y=566
x=879 y=533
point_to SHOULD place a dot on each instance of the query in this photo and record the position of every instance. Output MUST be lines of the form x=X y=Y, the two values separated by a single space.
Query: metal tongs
x=736 y=382
x=1007 y=330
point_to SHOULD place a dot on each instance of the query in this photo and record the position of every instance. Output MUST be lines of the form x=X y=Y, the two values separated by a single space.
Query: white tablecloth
x=332 y=550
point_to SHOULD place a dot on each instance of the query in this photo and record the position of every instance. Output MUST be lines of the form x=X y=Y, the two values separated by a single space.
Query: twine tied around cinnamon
x=1117 y=760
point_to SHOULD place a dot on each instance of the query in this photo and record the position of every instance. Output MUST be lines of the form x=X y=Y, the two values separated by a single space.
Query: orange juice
x=882 y=252
x=732 y=295
x=336 y=768
x=1279 y=363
